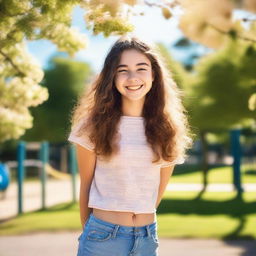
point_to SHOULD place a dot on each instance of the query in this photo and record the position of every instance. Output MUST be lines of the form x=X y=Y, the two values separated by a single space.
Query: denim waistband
x=139 y=231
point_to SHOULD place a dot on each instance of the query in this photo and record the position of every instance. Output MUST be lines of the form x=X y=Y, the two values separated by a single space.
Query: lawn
x=209 y=215
x=180 y=214
x=216 y=174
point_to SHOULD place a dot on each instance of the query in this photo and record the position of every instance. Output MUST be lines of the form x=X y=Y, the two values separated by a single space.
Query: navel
x=133 y=219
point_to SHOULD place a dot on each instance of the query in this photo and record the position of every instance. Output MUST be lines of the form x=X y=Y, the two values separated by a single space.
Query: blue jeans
x=101 y=238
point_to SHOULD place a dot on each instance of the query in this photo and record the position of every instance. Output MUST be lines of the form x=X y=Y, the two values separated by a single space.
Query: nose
x=132 y=78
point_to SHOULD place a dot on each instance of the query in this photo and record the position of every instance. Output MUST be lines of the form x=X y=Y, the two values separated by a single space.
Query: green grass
x=210 y=215
x=216 y=174
x=62 y=217
x=180 y=214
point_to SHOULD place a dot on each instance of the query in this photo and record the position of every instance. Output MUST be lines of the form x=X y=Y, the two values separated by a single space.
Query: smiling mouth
x=134 y=88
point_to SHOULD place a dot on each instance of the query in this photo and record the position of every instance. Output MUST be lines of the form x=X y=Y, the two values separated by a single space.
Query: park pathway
x=65 y=244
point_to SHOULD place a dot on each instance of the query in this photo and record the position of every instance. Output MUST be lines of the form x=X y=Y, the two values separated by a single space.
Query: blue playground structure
x=45 y=168
x=4 y=177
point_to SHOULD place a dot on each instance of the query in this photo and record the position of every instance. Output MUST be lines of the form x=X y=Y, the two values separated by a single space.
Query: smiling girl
x=130 y=129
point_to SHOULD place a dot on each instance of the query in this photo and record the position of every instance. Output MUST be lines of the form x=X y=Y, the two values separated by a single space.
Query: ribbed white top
x=129 y=182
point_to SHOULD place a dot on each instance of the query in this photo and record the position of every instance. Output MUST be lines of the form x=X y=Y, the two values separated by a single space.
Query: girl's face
x=134 y=75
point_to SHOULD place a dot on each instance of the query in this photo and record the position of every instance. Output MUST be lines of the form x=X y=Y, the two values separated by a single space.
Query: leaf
x=130 y=2
x=166 y=13
x=252 y=102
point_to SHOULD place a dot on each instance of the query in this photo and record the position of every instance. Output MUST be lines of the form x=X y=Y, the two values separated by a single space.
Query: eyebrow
x=138 y=64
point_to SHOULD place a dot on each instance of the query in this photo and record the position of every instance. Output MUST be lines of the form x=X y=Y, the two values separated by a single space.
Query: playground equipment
x=56 y=173
x=38 y=163
x=44 y=167
x=4 y=178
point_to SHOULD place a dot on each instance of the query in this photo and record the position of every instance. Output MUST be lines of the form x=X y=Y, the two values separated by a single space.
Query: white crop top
x=129 y=182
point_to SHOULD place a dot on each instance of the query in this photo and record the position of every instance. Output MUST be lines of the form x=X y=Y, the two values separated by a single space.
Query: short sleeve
x=83 y=140
x=176 y=161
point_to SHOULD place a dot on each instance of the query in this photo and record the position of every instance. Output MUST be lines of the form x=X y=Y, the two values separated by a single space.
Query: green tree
x=65 y=79
x=223 y=81
x=216 y=91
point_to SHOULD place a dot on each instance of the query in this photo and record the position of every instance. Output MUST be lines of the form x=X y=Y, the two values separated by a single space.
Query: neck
x=132 y=108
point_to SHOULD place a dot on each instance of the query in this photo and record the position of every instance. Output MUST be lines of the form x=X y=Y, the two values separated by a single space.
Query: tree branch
x=163 y=3
x=152 y=4
x=237 y=35
x=12 y=63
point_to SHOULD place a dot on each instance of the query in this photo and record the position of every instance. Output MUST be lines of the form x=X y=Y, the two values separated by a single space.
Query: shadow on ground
x=236 y=208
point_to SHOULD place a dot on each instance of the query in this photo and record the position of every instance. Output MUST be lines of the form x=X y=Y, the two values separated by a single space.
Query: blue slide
x=4 y=177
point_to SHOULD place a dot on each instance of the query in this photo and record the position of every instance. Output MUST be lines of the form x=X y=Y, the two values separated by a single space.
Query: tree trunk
x=204 y=159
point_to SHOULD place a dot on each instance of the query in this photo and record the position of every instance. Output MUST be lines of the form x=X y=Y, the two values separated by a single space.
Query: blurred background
x=49 y=52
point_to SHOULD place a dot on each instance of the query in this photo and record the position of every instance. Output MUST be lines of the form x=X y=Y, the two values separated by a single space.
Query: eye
x=143 y=69
x=122 y=70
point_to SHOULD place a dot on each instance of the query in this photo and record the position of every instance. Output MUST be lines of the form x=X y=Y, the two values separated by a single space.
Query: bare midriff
x=125 y=218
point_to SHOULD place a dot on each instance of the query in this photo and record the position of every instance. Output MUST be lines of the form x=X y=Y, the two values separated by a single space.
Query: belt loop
x=148 y=231
x=115 y=231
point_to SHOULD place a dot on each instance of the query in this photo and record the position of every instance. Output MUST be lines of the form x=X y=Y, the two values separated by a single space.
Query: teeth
x=133 y=87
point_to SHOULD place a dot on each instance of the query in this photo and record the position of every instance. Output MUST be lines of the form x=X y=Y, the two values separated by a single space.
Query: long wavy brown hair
x=165 y=118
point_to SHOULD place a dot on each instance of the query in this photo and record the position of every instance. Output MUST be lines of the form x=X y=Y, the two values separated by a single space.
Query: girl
x=130 y=130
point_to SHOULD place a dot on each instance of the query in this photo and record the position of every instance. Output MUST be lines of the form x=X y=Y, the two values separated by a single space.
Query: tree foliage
x=20 y=74
x=216 y=92
x=213 y=23
x=222 y=84
x=209 y=22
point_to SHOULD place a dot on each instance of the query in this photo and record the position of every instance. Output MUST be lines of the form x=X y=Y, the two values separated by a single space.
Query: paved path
x=58 y=191
x=65 y=244
x=210 y=187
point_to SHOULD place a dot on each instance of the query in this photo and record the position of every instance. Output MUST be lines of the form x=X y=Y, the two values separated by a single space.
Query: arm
x=86 y=165
x=165 y=174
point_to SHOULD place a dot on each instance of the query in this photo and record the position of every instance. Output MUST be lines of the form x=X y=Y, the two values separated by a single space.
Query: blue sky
x=152 y=27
